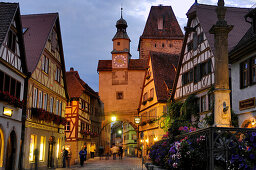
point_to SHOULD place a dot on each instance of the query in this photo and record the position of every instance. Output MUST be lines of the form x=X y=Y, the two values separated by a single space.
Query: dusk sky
x=88 y=26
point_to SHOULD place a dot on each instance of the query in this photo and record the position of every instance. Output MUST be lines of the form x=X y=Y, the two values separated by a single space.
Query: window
x=1 y=80
x=203 y=103
x=18 y=88
x=190 y=45
x=163 y=45
x=134 y=137
x=60 y=108
x=7 y=83
x=13 y=85
x=200 y=38
x=245 y=73
x=119 y=95
x=82 y=126
x=151 y=93
x=57 y=107
x=145 y=97
x=45 y=101
x=82 y=104
x=206 y=67
x=67 y=128
x=40 y=99
x=160 y=23
x=45 y=64
x=32 y=148
x=254 y=70
x=187 y=77
x=11 y=41
x=195 y=41
x=42 y=148
x=211 y=100
x=57 y=75
x=118 y=43
x=35 y=97
x=197 y=76
x=51 y=105
x=58 y=148
x=155 y=45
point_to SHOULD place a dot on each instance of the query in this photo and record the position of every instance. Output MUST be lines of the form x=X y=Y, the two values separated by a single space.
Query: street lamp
x=119 y=132
x=137 y=122
x=113 y=118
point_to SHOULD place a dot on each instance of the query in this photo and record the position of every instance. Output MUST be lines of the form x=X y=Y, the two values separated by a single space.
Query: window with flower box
x=9 y=84
x=51 y=104
x=40 y=99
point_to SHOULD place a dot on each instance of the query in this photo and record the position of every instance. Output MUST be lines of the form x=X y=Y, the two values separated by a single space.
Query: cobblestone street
x=125 y=164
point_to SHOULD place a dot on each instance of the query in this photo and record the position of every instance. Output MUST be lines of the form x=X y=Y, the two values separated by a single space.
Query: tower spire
x=121 y=11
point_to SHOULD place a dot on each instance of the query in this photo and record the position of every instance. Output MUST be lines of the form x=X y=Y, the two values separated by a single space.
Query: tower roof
x=121 y=26
x=171 y=27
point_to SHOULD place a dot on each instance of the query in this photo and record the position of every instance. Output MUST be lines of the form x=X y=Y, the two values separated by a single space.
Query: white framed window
x=45 y=64
x=60 y=108
x=42 y=148
x=51 y=104
x=57 y=107
x=45 y=101
x=40 y=99
x=35 y=97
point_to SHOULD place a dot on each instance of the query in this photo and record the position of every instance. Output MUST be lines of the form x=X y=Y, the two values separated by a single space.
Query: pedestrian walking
x=81 y=155
x=114 y=151
x=68 y=158
x=120 y=152
x=85 y=152
x=64 y=157
x=101 y=151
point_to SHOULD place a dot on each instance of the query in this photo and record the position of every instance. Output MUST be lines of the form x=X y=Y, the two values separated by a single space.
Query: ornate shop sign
x=247 y=104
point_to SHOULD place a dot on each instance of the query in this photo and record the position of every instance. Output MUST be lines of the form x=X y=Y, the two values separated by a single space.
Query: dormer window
x=160 y=23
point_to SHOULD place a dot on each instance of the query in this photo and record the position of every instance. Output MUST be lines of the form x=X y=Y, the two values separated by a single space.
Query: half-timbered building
x=13 y=85
x=198 y=69
x=156 y=90
x=47 y=92
x=243 y=75
x=162 y=33
x=84 y=114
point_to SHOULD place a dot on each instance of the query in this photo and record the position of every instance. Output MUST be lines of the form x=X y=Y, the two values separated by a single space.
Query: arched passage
x=11 y=151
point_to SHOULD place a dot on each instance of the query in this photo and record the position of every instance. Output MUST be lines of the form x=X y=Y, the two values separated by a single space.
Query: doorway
x=11 y=151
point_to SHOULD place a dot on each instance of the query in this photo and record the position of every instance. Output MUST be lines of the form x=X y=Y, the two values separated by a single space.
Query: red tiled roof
x=38 y=27
x=164 y=70
x=134 y=64
x=76 y=86
x=171 y=26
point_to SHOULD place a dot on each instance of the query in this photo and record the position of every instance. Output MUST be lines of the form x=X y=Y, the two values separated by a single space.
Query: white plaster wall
x=241 y=94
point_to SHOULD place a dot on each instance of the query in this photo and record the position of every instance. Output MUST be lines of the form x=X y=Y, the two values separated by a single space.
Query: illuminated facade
x=47 y=92
x=84 y=114
x=13 y=86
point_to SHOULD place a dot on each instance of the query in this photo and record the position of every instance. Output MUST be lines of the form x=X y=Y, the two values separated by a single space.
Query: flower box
x=41 y=114
x=12 y=100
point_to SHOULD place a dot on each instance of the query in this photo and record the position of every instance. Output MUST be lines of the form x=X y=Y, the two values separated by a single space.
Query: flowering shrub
x=46 y=116
x=159 y=151
x=12 y=100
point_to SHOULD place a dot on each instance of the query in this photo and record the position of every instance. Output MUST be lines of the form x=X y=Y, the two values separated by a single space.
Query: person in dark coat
x=81 y=155
x=64 y=157
x=101 y=151
x=120 y=152
x=85 y=152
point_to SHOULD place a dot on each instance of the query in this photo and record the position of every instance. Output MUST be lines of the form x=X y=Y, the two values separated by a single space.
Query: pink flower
x=181 y=128
x=175 y=165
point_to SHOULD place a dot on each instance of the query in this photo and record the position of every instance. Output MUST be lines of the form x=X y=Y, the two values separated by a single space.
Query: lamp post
x=137 y=122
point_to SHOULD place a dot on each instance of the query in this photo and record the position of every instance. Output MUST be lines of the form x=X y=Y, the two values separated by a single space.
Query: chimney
x=71 y=69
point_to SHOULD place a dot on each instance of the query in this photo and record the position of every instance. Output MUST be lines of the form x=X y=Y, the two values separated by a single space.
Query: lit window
x=35 y=98
x=32 y=147
x=67 y=126
x=58 y=149
x=42 y=148
x=8 y=111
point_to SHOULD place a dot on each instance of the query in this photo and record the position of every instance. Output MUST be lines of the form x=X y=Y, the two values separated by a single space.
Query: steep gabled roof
x=134 y=64
x=164 y=70
x=171 y=27
x=76 y=86
x=8 y=13
x=38 y=30
x=207 y=17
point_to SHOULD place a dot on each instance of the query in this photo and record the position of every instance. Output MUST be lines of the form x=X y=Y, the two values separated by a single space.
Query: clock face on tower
x=119 y=61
